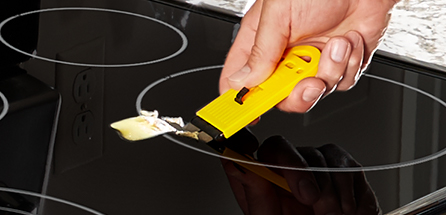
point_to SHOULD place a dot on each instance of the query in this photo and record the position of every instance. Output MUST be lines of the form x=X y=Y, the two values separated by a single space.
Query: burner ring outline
x=179 y=51
x=5 y=106
x=413 y=162
x=29 y=193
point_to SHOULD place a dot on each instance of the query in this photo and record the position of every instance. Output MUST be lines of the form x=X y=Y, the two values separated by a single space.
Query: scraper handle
x=233 y=110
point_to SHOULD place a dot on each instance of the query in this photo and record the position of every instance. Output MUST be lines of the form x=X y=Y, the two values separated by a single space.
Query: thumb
x=270 y=42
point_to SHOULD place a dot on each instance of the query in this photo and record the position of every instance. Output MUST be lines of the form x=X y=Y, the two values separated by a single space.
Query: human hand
x=312 y=192
x=346 y=31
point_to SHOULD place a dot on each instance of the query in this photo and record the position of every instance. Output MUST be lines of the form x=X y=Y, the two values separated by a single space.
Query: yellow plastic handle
x=229 y=115
x=261 y=171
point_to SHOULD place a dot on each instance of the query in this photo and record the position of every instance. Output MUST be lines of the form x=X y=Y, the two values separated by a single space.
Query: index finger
x=241 y=48
x=278 y=151
x=259 y=45
x=270 y=42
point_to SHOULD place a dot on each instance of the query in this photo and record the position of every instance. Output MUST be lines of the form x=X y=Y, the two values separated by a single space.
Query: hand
x=312 y=192
x=346 y=31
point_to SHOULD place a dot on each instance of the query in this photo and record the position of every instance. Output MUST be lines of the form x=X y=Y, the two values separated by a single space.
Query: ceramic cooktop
x=108 y=60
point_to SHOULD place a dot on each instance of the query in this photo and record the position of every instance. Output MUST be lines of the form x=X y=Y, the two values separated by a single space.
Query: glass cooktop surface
x=378 y=146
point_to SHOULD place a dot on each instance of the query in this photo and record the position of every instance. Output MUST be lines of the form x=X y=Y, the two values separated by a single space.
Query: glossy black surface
x=22 y=34
x=377 y=122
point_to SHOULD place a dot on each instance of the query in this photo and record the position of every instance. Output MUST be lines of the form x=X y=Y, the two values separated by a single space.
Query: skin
x=313 y=193
x=346 y=31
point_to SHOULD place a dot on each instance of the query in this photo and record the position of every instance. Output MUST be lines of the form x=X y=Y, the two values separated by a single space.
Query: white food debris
x=149 y=125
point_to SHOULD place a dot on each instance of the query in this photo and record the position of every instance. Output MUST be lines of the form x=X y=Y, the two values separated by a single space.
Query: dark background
x=377 y=122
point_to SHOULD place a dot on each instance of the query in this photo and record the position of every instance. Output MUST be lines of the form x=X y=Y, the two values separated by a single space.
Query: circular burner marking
x=179 y=51
x=29 y=193
x=317 y=169
x=5 y=106
x=15 y=211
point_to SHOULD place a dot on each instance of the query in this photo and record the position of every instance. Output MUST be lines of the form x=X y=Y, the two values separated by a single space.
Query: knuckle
x=292 y=108
x=331 y=76
x=334 y=80
x=330 y=147
x=345 y=85
x=313 y=156
x=355 y=61
x=258 y=54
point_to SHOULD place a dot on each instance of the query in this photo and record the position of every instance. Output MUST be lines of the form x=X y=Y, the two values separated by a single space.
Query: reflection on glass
x=370 y=121
x=432 y=204
x=359 y=112
x=14 y=202
x=311 y=192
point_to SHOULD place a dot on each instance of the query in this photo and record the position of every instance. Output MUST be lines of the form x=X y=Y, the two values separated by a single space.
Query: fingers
x=235 y=176
x=339 y=68
x=270 y=42
x=259 y=45
x=328 y=203
x=333 y=62
x=255 y=195
x=322 y=192
x=276 y=150
x=341 y=192
x=353 y=70
x=367 y=203
x=304 y=96
x=241 y=48
x=343 y=182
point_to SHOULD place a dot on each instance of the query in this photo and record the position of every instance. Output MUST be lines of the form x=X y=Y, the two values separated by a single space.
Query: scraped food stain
x=148 y=125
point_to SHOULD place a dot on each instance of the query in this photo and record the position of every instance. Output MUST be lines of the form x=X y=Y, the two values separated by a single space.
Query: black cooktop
x=107 y=59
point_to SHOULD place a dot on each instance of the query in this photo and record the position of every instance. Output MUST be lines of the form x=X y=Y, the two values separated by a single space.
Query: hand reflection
x=312 y=192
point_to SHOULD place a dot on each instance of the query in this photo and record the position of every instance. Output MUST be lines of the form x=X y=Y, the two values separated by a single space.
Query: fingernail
x=312 y=94
x=241 y=74
x=308 y=190
x=338 y=50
